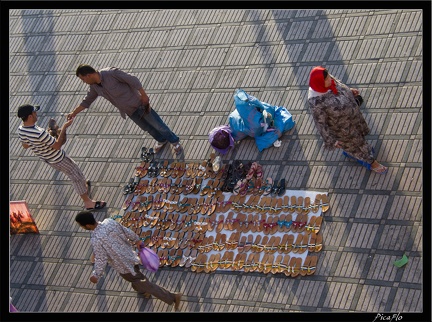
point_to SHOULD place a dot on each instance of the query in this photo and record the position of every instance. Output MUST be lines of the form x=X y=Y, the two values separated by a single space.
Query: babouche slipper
x=98 y=205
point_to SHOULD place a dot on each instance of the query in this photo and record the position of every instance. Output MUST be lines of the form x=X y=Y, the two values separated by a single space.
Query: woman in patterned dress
x=336 y=112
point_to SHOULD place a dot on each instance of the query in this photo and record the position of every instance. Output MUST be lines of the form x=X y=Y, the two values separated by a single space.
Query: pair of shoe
x=278 y=188
x=130 y=187
x=177 y=147
x=147 y=155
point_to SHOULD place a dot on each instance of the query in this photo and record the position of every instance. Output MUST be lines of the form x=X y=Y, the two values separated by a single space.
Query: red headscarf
x=316 y=81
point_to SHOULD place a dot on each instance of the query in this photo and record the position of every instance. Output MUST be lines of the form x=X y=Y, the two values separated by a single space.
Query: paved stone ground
x=190 y=63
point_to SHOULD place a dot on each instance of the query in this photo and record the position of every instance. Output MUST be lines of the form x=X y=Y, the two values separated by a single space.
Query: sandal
x=318 y=244
x=295 y=267
x=154 y=220
x=192 y=258
x=189 y=223
x=208 y=264
x=211 y=207
x=259 y=244
x=276 y=264
x=283 y=265
x=190 y=168
x=220 y=203
x=147 y=155
x=130 y=187
x=379 y=169
x=283 y=244
x=152 y=187
x=312 y=265
x=189 y=186
x=275 y=245
x=211 y=222
x=317 y=225
x=178 y=148
x=198 y=206
x=307 y=206
x=221 y=242
x=161 y=185
x=175 y=187
x=262 y=263
x=197 y=187
x=171 y=203
x=206 y=188
x=290 y=244
x=249 y=262
x=158 y=146
x=153 y=170
x=238 y=222
x=197 y=263
x=164 y=169
x=127 y=202
x=178 y=256
x=192 y=206
x=325 y=203
x=141 y=170
x=248 y=244
x=310 y=227
x=255 y=263
x=245 y=222
x=183 y=206
x=214 y=265
x=235 y=263
x=293 y=205
x=312 y=242
x=299 y=206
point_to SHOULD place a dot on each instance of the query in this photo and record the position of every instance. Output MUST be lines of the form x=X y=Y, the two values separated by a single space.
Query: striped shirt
x=112 y=244
x=40 y=143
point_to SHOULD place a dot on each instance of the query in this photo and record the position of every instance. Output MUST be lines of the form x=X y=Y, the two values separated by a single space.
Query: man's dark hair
x=85 y=218
x=84 y=70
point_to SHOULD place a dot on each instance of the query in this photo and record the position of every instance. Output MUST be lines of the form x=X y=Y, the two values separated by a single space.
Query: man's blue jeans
x=153 y=124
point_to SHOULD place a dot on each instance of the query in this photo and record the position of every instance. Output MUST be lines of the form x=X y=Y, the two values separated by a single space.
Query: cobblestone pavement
x=190 y=63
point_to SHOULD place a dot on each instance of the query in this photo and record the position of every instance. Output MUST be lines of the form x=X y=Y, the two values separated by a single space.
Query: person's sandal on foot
x=177 y=301
x=158 y=146
x=378 y=168
x=177 y=148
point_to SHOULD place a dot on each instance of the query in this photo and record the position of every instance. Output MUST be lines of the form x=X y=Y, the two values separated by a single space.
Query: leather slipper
x=98 y=205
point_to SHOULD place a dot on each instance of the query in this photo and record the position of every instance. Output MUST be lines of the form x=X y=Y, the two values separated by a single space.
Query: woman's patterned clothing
x=113 y=244
x=338 y=118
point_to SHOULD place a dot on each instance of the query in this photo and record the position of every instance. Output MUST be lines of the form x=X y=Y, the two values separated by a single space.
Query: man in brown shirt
x=125 y=92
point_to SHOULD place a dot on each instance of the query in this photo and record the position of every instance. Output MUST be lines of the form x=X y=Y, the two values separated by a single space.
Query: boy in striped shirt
x=49 y=150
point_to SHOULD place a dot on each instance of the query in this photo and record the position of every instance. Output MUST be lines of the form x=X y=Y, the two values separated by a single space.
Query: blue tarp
x=262 y=121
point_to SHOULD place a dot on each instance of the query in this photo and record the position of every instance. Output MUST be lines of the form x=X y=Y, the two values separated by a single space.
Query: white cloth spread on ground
x=198 y=224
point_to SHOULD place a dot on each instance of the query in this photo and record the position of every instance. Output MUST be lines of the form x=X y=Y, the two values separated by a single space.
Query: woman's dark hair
x=84 y=70
x=85 y=218
x=325 y=71
x=221 y=140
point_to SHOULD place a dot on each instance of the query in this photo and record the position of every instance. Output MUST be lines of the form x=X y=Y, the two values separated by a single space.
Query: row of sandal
x=204 y=244
x=177 y=169
x=289 y=266
x=286 y=204
x=203 y=205
x=271 y=225
x=217 y=203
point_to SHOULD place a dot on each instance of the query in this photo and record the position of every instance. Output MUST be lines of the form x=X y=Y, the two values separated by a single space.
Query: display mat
x=181 y=213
